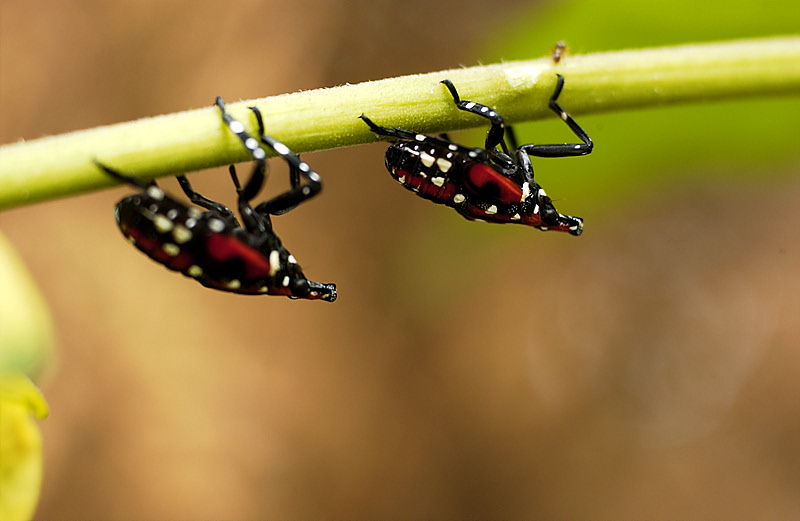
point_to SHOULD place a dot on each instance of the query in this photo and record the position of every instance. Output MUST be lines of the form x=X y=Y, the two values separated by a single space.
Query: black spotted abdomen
x=429 y=170
x=206 y=247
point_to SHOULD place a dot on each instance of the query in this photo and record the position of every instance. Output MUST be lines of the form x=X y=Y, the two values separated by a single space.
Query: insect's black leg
x=297 y=167
x=259 y=154
x=398 y=133
x=201 y=200
x=253 y=222
x=127 y=179
x=511 y=136
x=495 y=135
x=566 y=149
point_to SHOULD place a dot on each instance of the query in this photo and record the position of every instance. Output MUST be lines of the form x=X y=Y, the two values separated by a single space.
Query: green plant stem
x=57 y=166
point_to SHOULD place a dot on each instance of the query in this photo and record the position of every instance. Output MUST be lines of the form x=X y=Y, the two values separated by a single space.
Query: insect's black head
x=557 y=221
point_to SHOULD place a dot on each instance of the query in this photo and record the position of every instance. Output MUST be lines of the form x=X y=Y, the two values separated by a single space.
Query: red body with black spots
x=484 y=184
x=210 y=245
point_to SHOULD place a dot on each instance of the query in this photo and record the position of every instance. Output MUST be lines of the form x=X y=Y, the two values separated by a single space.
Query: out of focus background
x=649 y=368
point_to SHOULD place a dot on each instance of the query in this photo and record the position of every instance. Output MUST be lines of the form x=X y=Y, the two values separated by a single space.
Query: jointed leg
x=128 y=179
x=253 y=222
x=297 y=167
x=566 y=149
x=398 y=133
x=495 y=135
x=201 y=200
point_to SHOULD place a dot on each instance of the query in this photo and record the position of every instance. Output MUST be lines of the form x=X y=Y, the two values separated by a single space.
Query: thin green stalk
x=57 y=166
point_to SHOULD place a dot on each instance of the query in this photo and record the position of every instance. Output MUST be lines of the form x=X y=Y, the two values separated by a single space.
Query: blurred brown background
x=646 y=369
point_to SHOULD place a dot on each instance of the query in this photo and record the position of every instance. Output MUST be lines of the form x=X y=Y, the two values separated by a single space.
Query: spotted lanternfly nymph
x=211 y=246
x=483 y=184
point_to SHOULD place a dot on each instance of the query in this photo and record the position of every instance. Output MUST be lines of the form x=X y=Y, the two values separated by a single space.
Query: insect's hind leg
x=566 y=149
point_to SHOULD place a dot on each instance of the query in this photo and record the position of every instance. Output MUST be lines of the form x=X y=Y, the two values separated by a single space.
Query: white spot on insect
x=194 y=271
x=314 y=176
x=469 y=105
x=449 y=155
x=193 y=212
x=306 y=190
x=285 y=281
x=492 y=113
x=564 y=115
x=541 y=193
x=427 y=159
x=544 y=228
x=526 y=190
x=438 y=181
x=251 y=143
x=171 y=249
x=281 y=149
x=155 y=192
x=304 y=167
x=577 y=147
x=263 y=289
x=452 y=147
x=162 y=224
x=181 y=234
x=216 y=225
x=313 y=293
x=573 y=228
x=443 y=164
x=191 y=222
x=423 y=175
x=402 y=180
x=259 y=153
x=472 y=153
x=459 y=198
x=274 y=262
x=291 y=259
x=536 y=210
x=491 y=210
x=484 y=109
x=234 y=284
x=172 y=214
x=516 y=217
x=420 y=137
x=236 y=127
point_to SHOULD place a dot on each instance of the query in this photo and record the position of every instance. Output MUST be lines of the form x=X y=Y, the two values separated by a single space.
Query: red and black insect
x=211 y=246
x=483 y=184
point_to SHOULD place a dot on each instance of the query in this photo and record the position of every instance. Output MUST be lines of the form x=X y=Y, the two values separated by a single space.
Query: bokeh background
x=649 y=368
